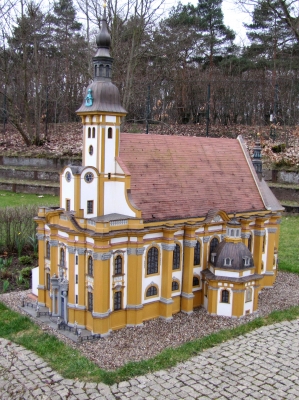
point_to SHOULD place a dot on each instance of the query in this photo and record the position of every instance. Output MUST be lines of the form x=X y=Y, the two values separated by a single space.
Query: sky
x=234 y=18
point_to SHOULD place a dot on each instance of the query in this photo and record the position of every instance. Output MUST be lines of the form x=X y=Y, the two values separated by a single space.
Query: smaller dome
x=229 y=255
x=105 y=96
x=103 y=38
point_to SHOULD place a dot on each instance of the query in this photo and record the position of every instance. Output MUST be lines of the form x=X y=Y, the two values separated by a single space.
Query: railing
x=119 y=222
x=88 y=338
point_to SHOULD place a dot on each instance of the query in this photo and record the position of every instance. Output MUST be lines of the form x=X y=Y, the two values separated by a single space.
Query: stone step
x=30 y=186
x=29 y=173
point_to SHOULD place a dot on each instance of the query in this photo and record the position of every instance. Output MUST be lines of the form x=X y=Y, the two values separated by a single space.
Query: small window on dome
x=227 y=262
x=246 y=261
x=107 y=71
x=232 y=232
x=109 y=133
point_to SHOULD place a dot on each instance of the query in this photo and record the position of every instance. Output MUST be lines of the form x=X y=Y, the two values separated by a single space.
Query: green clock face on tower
x=88 y=177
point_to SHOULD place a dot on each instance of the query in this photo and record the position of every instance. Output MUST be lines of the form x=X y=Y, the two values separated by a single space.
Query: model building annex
x=151 y=225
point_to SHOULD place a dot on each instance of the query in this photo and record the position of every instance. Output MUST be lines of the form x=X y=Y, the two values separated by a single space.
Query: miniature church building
x=151 y=225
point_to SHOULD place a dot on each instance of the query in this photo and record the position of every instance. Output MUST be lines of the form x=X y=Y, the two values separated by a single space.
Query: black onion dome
x=105 y=98
x=103 y=39
x=237 y=252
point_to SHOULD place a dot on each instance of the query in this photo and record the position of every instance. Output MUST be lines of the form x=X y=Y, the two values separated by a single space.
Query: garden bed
x=15 y=272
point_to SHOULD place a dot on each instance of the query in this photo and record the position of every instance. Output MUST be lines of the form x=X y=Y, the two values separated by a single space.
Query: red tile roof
x=181 y=177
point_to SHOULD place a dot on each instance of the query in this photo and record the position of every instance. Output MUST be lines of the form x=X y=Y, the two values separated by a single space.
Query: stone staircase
x=32 y=175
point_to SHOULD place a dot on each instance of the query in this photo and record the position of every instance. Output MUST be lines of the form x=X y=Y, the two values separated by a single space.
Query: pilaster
x=166 y=284
x=134 y=282
x=259 y=233
x=187 y=286
x=41 y=262
x=238 y=302
x=212 y=300
x=71 y=279
x=270 y=272
x=102 y=291
x=81 y=306
x=245 y=235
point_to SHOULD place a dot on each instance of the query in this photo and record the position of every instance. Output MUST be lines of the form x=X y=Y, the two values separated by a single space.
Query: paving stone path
x=263 y=364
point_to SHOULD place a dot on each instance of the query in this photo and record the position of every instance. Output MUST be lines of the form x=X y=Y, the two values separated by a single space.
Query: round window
x=68 y=176
x=88 y=177
x=90 y=150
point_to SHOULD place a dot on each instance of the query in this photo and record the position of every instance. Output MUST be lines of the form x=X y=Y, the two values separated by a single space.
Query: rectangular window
x=90 y=301
x=48 y=281
x=68 y=205
x=89 y=206
x=117 y=301
x=76 y=260
x=76 y=278
x=76 y=299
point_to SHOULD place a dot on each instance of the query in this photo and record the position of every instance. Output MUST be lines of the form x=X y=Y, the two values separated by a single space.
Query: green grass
x=288 y=252
x=10 y=199
x=70 y=364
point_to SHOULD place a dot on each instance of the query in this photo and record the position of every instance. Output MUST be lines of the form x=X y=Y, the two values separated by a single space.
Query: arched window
x=118 y=265
x=213 y=244
x=232 y=232
x=109 y=133
x=93 y=132
x=249 y=242
x=195 y=281
x=176 y=257
x=264 y=243
x=151 y=291
x=48 y=250
x=90 y=266
x=117 y=301
x=107 y=71
x=197 y=253
x=95 y=70
x=175 y=286
x=89 y=132
x=225 y=296
x=62 y=258
x=248 y=294
x=90 y=150
x=152 y=261
x=101 y=69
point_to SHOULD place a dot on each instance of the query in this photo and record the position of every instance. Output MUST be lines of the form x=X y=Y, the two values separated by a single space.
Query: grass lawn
x=10 y=199
x=288 y=251
x=71 y=365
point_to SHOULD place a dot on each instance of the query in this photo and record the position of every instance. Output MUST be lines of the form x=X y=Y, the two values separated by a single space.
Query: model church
x=151 y=225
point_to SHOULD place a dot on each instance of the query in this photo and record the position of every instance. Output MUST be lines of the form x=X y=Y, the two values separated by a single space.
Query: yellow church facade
x=151 y=225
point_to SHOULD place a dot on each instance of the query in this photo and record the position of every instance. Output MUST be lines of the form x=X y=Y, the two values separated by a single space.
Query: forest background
x=176 y=65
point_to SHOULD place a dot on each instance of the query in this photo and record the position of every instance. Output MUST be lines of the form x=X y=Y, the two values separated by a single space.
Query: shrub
x=25 y=260
x=16 y=223
x=279 y=148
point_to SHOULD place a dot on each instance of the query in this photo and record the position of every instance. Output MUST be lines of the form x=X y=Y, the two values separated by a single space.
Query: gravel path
x=134 y=344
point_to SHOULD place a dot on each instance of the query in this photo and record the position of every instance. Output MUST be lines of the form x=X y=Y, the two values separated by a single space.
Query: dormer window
x=246 y=261
x=228 y=262
x=213 y=257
